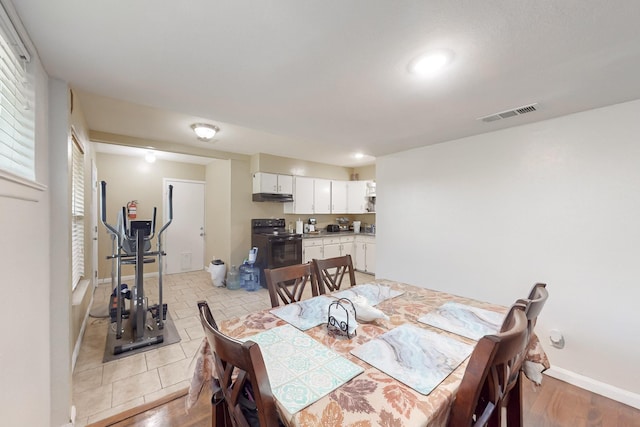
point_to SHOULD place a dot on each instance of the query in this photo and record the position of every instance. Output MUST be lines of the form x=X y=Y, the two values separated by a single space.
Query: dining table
x=376 y=393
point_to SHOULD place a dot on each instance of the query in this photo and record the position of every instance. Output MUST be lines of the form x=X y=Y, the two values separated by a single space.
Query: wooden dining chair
x=288 y=284
x=533 y=306
x=330 y=273
x=490 y=373
x=240 y=370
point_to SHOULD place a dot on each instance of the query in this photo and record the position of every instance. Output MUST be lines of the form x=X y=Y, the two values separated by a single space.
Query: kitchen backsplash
x=325 y=219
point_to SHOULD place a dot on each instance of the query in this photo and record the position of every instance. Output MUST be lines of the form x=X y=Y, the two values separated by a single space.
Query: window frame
x=77 y=210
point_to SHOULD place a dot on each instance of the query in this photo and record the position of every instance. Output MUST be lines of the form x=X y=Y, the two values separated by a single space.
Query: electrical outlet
x=556 y=338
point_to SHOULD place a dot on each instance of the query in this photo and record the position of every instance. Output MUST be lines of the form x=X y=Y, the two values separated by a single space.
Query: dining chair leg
x=514 y=405
x=220 y=415
x=219 y=410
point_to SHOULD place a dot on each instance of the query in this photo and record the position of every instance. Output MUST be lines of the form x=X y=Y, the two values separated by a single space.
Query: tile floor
x=101 y=390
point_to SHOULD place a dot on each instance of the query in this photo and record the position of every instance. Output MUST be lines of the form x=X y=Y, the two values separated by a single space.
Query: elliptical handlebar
x=103 y=210
x=170 y=200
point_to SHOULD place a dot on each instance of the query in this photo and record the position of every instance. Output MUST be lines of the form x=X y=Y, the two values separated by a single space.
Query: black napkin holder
x=341 y=326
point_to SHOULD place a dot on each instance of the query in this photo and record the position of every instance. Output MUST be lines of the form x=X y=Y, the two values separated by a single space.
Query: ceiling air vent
x=510 y=113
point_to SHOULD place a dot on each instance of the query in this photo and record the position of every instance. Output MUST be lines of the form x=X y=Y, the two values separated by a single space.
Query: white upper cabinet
x=322 y=196
x=357 y=200
x=302 y=196
x=339 y=196
x=310 y=196
x=272 y=183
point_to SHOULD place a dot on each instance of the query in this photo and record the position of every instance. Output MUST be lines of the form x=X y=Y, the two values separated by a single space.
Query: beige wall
x=288 y=166
x=366 y=173
x=131 y=178
x=218 y=212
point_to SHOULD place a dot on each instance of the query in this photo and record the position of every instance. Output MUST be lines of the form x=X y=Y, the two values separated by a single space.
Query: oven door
x=284 y=251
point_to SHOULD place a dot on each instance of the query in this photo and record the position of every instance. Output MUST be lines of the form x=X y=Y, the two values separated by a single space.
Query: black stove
x=276 y=246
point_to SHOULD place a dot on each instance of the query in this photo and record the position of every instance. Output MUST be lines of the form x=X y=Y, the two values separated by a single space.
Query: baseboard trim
x=114 y=419
x=598 y=387
x=76 y=347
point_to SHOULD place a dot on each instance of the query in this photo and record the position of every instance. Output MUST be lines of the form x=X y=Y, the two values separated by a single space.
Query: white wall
x=59 y=290
x=25 y=358
x=557 y=202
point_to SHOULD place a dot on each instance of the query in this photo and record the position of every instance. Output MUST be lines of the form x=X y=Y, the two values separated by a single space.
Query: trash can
x=218 y=272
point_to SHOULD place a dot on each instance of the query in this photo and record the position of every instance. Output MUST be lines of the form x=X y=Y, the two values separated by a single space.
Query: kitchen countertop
x=338 y=234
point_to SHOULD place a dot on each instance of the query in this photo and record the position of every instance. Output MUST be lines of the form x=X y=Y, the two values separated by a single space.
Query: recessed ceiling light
x=205 y=132
x=431 y=63
x=358 y=155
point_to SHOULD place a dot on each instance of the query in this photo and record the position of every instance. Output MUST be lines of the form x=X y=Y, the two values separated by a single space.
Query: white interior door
x=184 y=239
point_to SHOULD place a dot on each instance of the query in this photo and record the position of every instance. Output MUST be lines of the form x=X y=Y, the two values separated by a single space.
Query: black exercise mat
x=169 y=332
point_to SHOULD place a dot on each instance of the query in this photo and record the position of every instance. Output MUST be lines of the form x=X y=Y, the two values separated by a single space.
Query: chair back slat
x=330 y=273
x=288 y=284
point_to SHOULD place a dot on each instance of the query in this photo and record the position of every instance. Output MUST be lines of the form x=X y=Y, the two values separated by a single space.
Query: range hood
x=272 y=197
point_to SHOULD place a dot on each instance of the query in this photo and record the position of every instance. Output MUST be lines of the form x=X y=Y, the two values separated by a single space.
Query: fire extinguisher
x=132 y=208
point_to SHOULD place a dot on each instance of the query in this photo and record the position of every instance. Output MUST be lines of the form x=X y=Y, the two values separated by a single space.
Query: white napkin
x=365 y=312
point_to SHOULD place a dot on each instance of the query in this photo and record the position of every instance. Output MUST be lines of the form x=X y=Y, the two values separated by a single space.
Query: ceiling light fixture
x=205 y=132
x=431 y=63
x=150 y=157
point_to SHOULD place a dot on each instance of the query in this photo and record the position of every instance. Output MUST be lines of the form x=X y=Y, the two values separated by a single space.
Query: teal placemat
x=300 y=369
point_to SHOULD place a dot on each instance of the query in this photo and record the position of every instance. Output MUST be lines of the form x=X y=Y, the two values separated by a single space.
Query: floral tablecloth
x=373 y=397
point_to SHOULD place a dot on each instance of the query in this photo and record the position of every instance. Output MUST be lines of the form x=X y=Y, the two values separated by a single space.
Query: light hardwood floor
x=554 y=404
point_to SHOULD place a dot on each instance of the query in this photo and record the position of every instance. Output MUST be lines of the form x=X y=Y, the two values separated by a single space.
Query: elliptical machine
x=131 y=246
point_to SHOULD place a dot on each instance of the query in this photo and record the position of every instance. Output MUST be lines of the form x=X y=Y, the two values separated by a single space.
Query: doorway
x=184 y=241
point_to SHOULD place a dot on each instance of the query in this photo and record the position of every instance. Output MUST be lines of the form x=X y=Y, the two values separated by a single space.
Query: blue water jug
x=249 y=277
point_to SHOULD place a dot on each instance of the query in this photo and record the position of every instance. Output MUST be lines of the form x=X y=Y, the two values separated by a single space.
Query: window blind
x=17 y=141
x=77 y=212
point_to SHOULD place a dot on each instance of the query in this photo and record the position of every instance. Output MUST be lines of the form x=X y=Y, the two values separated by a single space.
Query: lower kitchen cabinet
x=365 y=254
x=347 y=245
x=311 y=248
x=338 y=246
x=331 y=247
x=327 y=247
